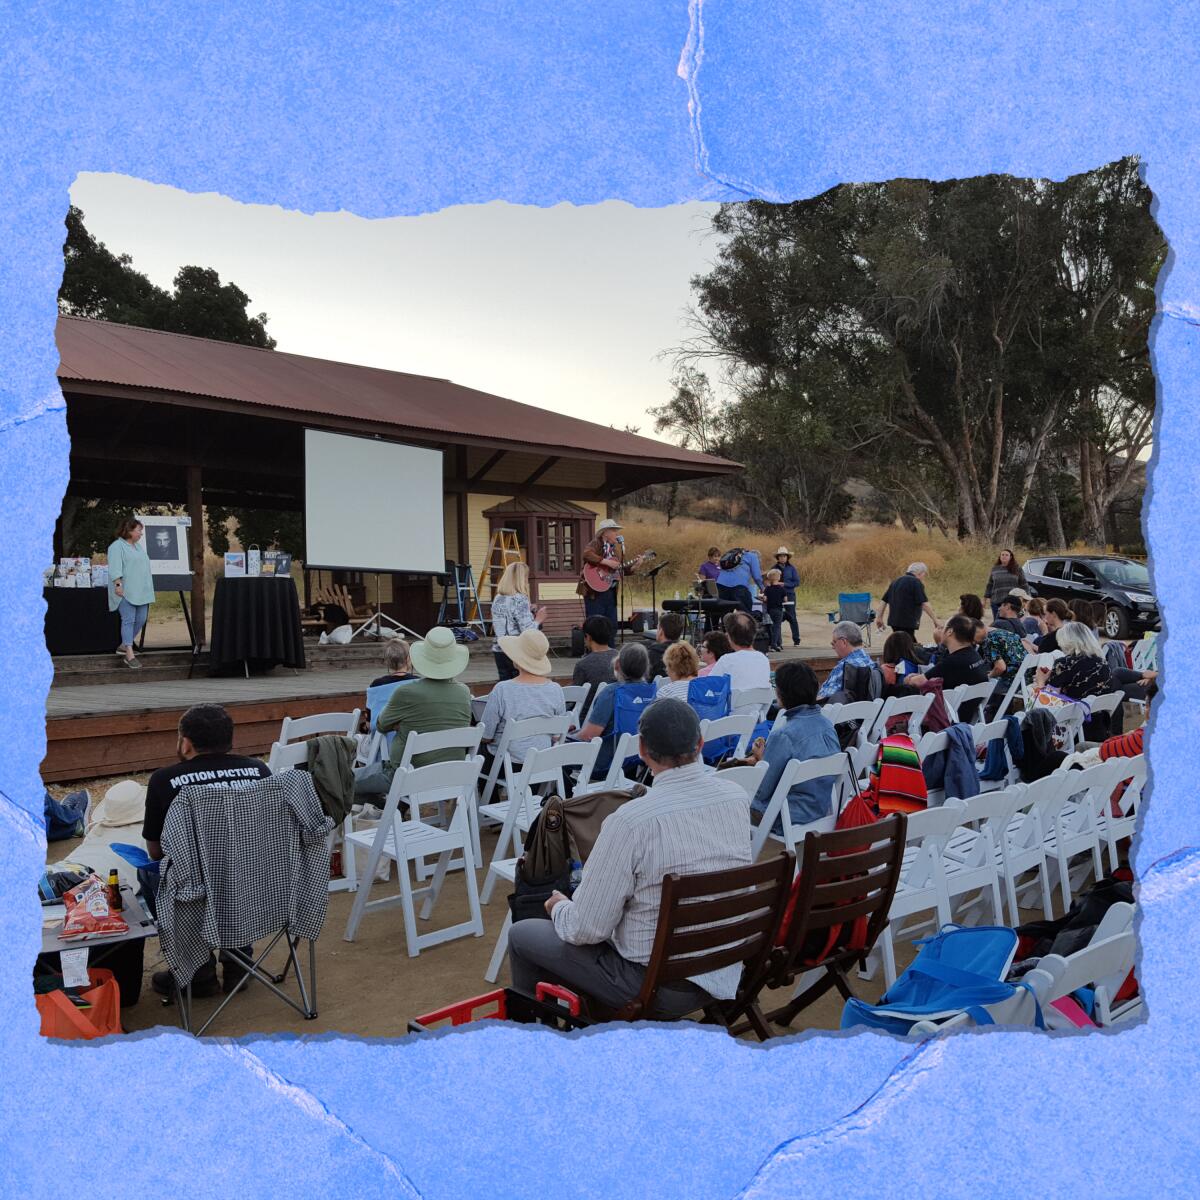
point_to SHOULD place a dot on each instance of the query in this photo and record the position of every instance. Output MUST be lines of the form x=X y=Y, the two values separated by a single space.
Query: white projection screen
x=371 y=505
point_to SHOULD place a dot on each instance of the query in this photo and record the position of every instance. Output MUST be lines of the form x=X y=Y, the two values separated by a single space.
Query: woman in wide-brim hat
x=439 y=656
x=790 y=578
x=529 y=694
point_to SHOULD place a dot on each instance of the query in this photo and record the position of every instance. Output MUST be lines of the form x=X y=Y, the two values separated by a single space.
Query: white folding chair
x=408 y=839
x=957 y=698
x=545 y=769
x=1104 y=965
x=969 y=861
x=295 y=729
x=1145 y=653
x=749 y=777
x=292 y=756
x=542 y=766
x=743 y=698
x=922 y=886
x=467 y=740
x=995 y=731
x=575 y=695
x=1014 y=817
x=514 y=731
x=912 y=707
x=1107 y=704
x=1069 y=821
x=1023 y=680
x=740 y=727
x=863 y=711
x=1115 y=828
x=833 y=766
x=933 y=743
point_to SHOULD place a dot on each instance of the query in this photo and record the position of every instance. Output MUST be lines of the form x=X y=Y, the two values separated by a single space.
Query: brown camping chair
x=750 y=899
x=847 y=876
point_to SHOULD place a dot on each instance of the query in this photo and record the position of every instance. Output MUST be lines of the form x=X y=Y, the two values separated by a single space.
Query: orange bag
x=61 y=1018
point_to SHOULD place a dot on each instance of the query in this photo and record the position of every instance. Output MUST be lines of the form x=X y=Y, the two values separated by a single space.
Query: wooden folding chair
x=709 y=921
x=844 y=875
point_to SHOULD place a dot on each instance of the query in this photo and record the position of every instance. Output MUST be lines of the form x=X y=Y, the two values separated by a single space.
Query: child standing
x=774 y=598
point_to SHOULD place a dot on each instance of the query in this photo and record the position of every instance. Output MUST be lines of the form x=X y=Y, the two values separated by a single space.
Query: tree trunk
x=1054 y=526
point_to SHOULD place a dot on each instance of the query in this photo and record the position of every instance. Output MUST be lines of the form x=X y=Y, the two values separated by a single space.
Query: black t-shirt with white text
x=167 y=782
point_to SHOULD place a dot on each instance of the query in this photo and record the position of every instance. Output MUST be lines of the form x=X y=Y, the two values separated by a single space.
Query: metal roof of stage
x=126 y=363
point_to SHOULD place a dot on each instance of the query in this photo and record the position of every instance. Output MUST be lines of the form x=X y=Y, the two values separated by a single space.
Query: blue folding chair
x=856 y=607
x=710 y=698
x=630 y=701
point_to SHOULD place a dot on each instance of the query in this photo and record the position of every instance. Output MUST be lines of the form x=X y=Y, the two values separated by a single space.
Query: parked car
x=1121 y=583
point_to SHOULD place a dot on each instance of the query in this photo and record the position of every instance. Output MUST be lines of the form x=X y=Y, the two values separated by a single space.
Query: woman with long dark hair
x=130 y=585
x=1006 y=575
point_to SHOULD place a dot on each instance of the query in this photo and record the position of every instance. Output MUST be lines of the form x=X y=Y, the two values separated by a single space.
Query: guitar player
x=603 y=550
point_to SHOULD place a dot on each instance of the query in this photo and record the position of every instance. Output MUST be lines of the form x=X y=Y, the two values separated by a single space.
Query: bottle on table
x=114 y=890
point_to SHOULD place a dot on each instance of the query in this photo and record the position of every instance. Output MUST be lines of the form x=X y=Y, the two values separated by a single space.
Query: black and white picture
x=166 y=542
x=162 y=543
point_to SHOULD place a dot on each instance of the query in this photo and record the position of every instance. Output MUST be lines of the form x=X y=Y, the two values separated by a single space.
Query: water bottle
x=576 y=873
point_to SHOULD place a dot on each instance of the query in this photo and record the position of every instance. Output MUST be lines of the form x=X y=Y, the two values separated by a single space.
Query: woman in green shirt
x=130 y=587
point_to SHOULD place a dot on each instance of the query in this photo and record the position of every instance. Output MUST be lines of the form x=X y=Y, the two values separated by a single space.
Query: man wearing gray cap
x=599 y=941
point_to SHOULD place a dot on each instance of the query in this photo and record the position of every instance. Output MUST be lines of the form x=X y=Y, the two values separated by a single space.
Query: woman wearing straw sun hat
x=790 y=578
x=530 y=694
x=434 y=702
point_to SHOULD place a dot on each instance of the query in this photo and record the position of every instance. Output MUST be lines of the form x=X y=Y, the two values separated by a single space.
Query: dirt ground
x=372 y=988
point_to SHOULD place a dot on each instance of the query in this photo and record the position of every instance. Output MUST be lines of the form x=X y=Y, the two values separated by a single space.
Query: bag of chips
x=89 y=913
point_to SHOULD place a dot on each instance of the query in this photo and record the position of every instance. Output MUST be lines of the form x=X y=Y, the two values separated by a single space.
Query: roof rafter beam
x=487 y=466
x=548 y=465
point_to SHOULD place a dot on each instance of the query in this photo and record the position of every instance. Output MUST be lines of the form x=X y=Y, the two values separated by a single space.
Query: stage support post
x=196 y=542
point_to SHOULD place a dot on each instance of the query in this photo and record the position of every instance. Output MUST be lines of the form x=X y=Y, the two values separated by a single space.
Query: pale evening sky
x=565 y=308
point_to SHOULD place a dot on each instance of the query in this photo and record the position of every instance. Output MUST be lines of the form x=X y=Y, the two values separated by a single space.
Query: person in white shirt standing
x=746 y=667
x=598 y=942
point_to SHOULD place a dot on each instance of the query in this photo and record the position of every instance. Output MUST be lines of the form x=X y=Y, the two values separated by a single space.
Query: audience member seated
x=596 y=666
x=631 y=666
x=846 y=640
x=714 y=647
x=530 y=694
x=960 y=664
x=1056 y=616
x=807 y=733
x=1080 y=673
x=1035 y=618
x=1008 y=616
x=398 y=661
x=670 y=630
x=971 y=605
x=599 y=941
x=901 y=657
x=745 y=666
x=429 y=704
x=204 y=744
x=683 y=665
x=1003 y=652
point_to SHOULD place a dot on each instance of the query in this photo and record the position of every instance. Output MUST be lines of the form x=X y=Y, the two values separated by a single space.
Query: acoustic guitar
x=600 y=578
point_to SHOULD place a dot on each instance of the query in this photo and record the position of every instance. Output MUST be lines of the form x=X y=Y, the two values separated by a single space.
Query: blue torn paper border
x=408 y=107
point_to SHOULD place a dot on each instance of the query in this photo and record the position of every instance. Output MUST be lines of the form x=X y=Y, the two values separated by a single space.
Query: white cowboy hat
x=529 y=651
x=782 y=551
x=439 y=656
x=124 y=804
x=607 y=523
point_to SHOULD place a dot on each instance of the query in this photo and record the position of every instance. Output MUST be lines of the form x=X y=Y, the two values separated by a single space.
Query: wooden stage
x=129 y=725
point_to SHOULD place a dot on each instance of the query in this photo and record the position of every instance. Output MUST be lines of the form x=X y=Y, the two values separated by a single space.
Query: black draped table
x=78 y=621
x=255 y=625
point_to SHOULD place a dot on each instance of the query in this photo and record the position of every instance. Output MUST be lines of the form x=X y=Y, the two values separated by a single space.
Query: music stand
x=652 y=575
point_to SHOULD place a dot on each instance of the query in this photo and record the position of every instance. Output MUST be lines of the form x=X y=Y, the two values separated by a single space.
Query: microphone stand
x=653 y=577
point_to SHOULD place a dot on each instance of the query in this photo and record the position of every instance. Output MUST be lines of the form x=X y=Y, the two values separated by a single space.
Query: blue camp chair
x=710 y=697
x=856 y=607
x=629 y=702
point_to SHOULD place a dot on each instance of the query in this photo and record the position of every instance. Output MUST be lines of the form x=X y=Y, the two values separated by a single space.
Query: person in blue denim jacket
x=807 y=733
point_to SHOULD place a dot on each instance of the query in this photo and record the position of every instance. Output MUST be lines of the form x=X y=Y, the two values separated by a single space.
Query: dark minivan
x=1121 y=583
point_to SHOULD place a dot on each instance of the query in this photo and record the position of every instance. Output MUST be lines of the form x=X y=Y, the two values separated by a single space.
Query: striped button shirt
x=689 y=822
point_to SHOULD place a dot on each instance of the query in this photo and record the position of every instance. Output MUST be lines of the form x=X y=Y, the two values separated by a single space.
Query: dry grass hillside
x=865 y=558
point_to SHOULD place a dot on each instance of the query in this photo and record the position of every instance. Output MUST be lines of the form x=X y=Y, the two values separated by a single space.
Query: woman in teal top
x=130 y=587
